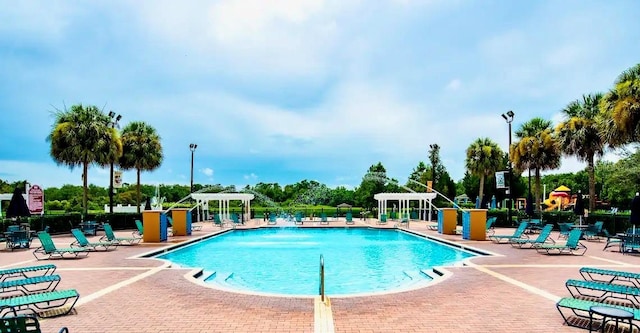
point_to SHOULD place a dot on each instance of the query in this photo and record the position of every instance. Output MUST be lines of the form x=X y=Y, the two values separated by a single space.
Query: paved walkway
x=515 y=290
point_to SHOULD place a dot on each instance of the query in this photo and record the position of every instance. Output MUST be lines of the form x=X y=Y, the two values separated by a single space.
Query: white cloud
x=454 y=85
x=207 y=172
x=251 y=176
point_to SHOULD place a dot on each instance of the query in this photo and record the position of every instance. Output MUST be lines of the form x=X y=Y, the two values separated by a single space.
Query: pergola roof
x=405 y=196
x=222 y=196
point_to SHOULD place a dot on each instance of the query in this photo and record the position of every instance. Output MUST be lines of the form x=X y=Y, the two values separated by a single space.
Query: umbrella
x=634 y=218
x=529 y=207
x=147 y=205
x=578 y=208
x=477 y=202
x=493 y=202
x=17 y=206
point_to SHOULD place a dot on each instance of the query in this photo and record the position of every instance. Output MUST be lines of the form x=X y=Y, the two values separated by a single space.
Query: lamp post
x=114 y=122
x=508 y=117
x=192 y=147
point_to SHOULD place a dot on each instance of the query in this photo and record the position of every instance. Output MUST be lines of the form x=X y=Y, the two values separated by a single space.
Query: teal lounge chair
x=23 y=323
x=603 y=291
x=543 y=238
x=26 y=272
x=36 y=284
x=593 y=231
x=323 y=218
x=217 y=221
x=572 y=246
x=49 y=304
x=272 y=219
x=169 y=226
x=235 y=219
x=519 y=233
x=18 y=239
x=569 y=307
x=82 y=242
x=383 y=219
x=298 y=219
x=630 y=243
x=111 y=237
x=139 y=229
x=349 y=218
x=48 y=249
x=565 y=229
x=490 y=229
x=610 y=276
x=612 y=240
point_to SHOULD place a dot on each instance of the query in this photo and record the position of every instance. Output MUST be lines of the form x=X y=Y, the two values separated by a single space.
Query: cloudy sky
x=281 y=91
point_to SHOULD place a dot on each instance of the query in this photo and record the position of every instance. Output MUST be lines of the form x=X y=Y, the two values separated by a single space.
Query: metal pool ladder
x=322 y=277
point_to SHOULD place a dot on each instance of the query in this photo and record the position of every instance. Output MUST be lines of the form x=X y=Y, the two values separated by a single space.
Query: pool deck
x=515 y=290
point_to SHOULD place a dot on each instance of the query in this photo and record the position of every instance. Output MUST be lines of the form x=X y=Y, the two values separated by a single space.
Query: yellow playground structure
x=558 y=199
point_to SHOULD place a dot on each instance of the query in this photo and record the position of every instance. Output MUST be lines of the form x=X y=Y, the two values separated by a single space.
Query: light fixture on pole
x=508 y=117
x=192 y=147
x=114 y=122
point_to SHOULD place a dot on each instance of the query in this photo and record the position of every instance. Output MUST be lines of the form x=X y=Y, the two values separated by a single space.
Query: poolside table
x=614 y=314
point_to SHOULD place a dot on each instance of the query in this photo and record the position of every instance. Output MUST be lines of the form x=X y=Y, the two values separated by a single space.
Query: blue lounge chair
x=543 y=238
x=48 y=304
x=48 y=249
x=26 y=272
x=572 y=246
x=82 y=242
x=111 y=237
x=519 y=233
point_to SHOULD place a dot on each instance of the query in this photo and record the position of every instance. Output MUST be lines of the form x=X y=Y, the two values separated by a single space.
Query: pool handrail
x=321 y=278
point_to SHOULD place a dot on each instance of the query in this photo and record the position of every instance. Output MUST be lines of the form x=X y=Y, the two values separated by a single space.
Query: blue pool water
x=286 y=260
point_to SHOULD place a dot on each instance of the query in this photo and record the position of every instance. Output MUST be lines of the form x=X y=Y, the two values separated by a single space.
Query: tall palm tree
x=141 y=150
x=537 y=149
x=81 y=136
x=484 y=158
x=619 y=122
x=578 y=135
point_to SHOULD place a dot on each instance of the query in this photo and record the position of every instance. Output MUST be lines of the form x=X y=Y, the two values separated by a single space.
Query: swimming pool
x=286 y=260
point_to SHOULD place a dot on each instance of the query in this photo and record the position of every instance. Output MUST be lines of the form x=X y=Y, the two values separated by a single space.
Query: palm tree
x=81 y=136
x=484 y=158
x=141 y=150
x=578 y=135
x=619 y=121
x=536 y=149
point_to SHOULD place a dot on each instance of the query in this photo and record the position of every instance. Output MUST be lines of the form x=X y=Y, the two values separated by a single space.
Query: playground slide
x=551 y=204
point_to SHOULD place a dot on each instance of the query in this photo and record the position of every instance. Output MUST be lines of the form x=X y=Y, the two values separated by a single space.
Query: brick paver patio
x=515 y=290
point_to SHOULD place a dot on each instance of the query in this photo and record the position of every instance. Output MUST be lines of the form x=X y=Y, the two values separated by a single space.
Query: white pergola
x=202 y=200
x=424 y=200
